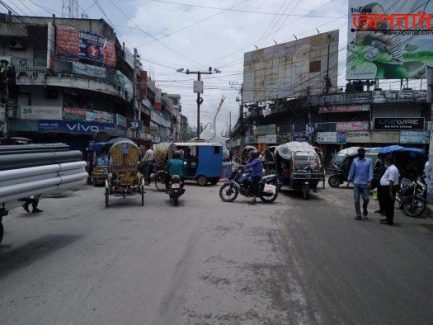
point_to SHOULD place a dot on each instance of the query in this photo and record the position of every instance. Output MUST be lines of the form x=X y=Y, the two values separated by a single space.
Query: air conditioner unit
x=16 y=44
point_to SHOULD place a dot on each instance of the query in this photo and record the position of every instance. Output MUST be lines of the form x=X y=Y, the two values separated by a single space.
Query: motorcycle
x=175 y=188
x=238 y=183
x=412 y=197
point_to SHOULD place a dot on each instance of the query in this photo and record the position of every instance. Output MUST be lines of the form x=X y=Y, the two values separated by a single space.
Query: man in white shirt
x=148 y=160
x=389 y=181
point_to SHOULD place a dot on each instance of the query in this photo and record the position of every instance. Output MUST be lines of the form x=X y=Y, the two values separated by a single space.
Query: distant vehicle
x=124 y=178
x=412 y=197
x=175 y=188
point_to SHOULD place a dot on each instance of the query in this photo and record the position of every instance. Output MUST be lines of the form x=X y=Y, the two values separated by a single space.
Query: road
x=209 y=262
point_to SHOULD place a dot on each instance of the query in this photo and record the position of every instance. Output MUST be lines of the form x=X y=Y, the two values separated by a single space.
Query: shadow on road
x=298 y=195
x=23 y=256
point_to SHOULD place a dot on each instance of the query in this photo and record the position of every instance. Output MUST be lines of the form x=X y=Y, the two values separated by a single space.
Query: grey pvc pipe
x=38 y=159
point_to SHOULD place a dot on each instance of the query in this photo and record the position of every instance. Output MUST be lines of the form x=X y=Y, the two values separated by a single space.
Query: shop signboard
x=89 y=70
x=23 y=125
x=358 y=137
x=341 y=137
x=352 y=126
x=344 y=109
x=414 y=137
x=388 y=137
x=404 y=123
x=91 y=47
x=67 y=43
x=121 y=120
x=250 y=139
x=74 y=114
x=40 y=112
x=267 y=139
x=265 y=129
x=326 y=137
x=76 y=127
x=299 y=136
x=388 y=39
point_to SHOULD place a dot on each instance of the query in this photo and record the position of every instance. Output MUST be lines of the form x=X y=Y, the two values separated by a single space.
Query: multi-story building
x=74 y=79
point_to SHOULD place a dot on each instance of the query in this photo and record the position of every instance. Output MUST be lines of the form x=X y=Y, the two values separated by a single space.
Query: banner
x=344 y=109
x=51 y=48
x=91 y=47
x=78 y=127
x=158 y=101
x=414 y=123
x=67 y=43
x=41 y=112
x=389 y=39
x=74 y=114
x=89 y=70
x=110 y=54
x=352 y=126
x=414 y=137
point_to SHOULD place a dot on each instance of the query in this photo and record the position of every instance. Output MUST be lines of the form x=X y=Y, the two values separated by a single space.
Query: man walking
x=389 y=183
x=361 y=175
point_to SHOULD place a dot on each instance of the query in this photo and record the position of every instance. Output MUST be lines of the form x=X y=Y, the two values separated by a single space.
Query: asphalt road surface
x=209 y=262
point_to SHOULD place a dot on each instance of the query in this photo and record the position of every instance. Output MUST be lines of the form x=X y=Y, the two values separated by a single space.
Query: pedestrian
x=361 y=175
x=255 y=170
x=148 y=161
x=389 y=181
x=379 y=171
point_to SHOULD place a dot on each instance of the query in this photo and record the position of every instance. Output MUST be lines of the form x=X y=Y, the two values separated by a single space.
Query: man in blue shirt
x=255 y=168
x=175 y=166
x=361 y=175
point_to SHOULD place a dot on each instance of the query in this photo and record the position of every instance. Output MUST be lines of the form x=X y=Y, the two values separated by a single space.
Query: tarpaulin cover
x=285 y=150
x=396 y=149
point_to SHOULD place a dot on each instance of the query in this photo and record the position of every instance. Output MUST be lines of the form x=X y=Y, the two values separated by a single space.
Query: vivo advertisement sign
x=79 y=127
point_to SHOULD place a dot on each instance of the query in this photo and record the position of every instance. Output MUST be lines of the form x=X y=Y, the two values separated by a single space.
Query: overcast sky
x=171 y=34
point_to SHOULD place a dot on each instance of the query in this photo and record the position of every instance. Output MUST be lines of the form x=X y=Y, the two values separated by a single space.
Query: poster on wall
x=109 y=54
x=67 y=43
x=389 y=39
x=91 y=47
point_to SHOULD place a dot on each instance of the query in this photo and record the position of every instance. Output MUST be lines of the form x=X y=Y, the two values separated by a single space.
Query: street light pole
x=199 y=90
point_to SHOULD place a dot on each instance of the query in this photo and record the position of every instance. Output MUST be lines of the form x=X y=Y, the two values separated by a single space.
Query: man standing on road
x=361 y=175
x=389 y=182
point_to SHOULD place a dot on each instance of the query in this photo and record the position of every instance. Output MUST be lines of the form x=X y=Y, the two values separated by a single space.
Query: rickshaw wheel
x=107 y=197
x=334 y=181
x=202 y=180
x=160 y=181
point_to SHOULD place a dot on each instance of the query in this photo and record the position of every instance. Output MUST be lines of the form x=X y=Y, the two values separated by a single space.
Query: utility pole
x=230 y=124
x=198 y=88
x=134 y=93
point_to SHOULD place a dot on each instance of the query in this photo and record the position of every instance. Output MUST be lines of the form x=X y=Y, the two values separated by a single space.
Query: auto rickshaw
x=124 y=178
x=298 y=167
x=339 y=167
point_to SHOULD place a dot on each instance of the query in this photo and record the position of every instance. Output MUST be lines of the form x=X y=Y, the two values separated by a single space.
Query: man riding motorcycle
x=175 y=166
x=255 y=169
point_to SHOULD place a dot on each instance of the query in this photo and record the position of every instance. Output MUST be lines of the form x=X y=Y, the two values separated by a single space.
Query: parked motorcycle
x=175 y=188
x=238 y=183
x=412 y=197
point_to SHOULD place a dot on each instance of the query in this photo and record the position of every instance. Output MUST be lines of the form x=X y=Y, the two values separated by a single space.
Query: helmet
x=177 y=154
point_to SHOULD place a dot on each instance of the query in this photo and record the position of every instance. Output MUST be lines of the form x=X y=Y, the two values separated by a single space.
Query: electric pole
x=198 y=88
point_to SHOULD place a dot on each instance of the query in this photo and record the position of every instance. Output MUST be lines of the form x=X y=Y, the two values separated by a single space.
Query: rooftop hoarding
x=389 y=39
x=291 y=69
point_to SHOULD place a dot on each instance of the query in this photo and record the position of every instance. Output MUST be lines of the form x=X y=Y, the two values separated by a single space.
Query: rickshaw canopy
x=398 y=149
x=285 y=150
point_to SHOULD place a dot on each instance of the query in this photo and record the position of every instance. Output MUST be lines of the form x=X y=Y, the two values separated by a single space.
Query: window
x=315 y=66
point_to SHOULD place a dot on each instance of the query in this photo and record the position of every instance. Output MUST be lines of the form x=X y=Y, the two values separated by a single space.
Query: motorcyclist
x=255 y=169
x=175 y=166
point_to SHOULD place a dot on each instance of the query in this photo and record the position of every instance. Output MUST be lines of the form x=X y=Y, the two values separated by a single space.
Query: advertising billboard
x=344 y=109
x=389 y=39
x=67 y=43
x=91 y=47
x=110 y=54
x=291 y=69
x=406 y=123
x=78 y=127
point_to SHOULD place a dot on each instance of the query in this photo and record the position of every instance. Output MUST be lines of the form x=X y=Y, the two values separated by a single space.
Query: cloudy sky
x=197 y=34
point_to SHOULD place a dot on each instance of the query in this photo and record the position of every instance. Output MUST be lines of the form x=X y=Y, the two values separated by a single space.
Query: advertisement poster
x=51 y=50
x=67 y=43
x=76 y=127
x=389 y=39
x=99 y=116
x=352 y=126
x=109 y=54
x=41 y=112
x=89 y=70
x=74 y=114
x=91 y=47
x=412 y=123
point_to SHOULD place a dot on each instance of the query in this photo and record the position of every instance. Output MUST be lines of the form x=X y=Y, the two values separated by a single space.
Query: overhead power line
x=237 y=10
